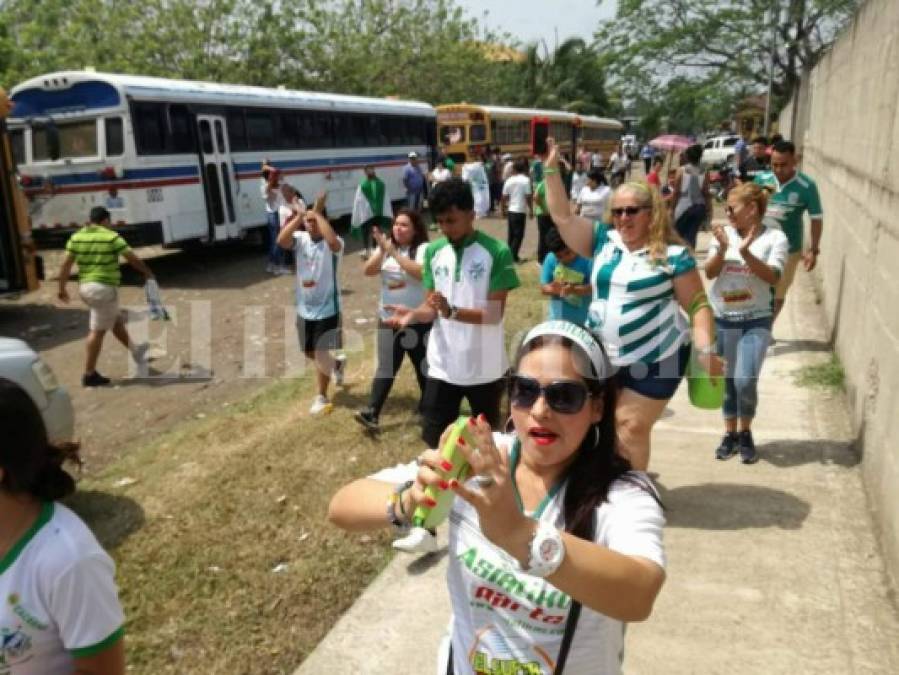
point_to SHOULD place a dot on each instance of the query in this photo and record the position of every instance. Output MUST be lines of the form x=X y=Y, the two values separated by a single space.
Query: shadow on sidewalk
x=787 y=454
x=783 y=346
x=731 y=506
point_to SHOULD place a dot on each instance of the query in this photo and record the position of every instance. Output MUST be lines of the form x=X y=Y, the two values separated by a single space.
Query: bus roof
x=527 y=113
x=47 y=94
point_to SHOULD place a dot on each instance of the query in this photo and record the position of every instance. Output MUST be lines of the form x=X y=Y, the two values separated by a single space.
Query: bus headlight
x=45 y=376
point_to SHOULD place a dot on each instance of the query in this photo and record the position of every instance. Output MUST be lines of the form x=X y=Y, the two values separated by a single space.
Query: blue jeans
x=743 y=345
x=414 y=199
x=275 y=252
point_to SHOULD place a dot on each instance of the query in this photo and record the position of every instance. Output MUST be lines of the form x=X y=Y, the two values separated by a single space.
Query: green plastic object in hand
x=706 y=391
x=431 y=516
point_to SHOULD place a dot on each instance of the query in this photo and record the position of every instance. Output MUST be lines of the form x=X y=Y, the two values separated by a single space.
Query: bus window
x=355 y=135
x=477 y=133
x=205 y=138
x=237 y=130
x=324 y=134
x=181 y=138
x=76 y=139
x=260 y=130
x=17 y=138
x=149 y=129
x=115 y=142
x=288 y=136
x=220 y=140
x=226 y=179
x=452 y=134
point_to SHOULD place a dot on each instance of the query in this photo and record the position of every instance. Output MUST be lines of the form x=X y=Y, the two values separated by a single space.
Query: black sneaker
x=728 y=447
x=367 y=419
x=748 y=454
x=94 y=379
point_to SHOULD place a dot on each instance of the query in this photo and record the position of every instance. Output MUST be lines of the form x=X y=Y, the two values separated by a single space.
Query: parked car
x=21 y=365
x=719 y=149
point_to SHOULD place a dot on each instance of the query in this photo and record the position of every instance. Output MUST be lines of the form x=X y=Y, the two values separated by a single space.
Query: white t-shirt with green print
x=465 y=353
x=58 y=597
x=506 y=621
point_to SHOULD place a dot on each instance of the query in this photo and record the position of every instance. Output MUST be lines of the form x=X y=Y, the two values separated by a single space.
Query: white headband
x=579 y=336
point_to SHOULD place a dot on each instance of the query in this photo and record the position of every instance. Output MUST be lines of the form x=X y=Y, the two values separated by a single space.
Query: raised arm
x=577 y=232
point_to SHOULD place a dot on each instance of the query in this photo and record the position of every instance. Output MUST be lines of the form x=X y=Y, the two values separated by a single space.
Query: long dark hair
x=31 y=464
x=419 y=231
x=597 y=464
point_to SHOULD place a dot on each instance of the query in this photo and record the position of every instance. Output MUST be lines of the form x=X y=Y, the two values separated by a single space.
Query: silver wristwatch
x=547 y=551
x=453 y=312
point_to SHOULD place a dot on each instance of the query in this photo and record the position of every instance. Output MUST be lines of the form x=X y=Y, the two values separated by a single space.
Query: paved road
x=773 y=568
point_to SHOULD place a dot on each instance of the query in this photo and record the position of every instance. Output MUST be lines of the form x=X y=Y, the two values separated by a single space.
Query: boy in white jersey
x=318 y=251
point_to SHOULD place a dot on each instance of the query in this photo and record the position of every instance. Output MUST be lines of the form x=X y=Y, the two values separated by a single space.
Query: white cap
x=413 y=155
x=581 y=337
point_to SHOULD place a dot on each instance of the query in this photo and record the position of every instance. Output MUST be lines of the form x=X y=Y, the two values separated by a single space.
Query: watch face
x=549 y=548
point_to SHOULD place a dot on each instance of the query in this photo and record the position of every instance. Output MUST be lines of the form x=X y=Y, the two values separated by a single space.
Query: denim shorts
x=657 y=380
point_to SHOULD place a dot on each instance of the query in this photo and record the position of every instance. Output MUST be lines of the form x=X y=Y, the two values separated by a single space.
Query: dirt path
x=232 y=333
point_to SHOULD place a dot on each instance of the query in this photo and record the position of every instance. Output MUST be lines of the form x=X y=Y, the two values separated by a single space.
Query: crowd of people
x=559 y=528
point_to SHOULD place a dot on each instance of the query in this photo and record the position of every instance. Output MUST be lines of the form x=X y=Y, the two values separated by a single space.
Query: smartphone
x=539 y=134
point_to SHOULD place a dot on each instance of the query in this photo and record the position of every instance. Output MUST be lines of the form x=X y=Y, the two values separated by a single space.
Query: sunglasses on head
x=628 y=211
x=563 y=396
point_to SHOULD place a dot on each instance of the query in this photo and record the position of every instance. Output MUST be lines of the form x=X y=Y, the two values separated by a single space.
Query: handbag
x=706 y=391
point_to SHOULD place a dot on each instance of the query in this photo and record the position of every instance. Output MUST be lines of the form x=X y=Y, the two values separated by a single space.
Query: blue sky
x=530 y=20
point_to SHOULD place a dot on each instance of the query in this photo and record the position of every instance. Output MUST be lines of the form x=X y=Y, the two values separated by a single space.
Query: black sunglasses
x=563 y=396
x=628 y=210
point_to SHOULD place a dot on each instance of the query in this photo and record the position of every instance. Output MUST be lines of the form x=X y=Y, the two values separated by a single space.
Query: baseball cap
x=413 y=155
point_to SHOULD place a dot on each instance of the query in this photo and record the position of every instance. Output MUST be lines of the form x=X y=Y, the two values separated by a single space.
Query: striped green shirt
x=96 y=250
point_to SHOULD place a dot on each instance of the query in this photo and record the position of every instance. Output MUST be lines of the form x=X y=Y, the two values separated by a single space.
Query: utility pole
x=775 y=16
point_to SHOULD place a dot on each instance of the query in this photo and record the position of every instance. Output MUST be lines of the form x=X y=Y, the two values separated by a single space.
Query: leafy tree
x=656 y=40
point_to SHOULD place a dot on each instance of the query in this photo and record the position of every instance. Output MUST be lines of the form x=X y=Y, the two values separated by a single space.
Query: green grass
x=829 y=374
x=221 y=502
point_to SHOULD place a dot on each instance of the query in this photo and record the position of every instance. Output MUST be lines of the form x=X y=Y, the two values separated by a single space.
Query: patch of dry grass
x=220 y=504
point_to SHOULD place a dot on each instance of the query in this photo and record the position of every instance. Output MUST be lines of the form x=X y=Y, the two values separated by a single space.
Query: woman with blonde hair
x=643 y=275
x=746 y=260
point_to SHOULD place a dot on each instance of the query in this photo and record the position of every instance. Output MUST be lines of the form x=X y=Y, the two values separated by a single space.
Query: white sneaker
x=284 y=270
x=320 y=406
x=339 y=371
x=419 y=540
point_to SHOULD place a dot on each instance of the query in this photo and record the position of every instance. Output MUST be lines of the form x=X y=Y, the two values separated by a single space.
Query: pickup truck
x=719 y=150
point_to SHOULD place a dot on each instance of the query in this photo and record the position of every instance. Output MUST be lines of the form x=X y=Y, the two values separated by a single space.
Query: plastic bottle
x=431 y=516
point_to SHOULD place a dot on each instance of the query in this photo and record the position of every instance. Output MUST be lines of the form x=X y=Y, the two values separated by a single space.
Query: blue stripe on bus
x=321 y=161
x=129 y=174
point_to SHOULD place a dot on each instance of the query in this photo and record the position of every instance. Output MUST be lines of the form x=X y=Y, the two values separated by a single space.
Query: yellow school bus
x=18 y=262
x=465 y=130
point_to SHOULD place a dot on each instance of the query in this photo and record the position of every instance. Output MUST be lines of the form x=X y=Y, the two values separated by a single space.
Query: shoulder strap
x=573 y=615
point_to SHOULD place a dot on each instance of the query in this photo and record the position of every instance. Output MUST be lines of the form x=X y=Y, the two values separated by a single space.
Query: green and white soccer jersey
x=507 y=621
x=58 y=598
x=787 y=204
x=634 y=310
x=465 y=274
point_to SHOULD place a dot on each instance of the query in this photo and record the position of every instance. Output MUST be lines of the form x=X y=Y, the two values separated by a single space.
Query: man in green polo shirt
x=793 y=193
x=96 y=250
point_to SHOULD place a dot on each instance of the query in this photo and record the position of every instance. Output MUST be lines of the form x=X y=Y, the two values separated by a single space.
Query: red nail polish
x=471 y=421
x=482 y=418
x=446 y=465
x=454 y=484
x=431 y=502
x=462 y=441
x=443 y=485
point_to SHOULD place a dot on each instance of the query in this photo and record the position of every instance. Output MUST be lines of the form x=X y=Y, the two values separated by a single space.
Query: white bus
x=176 y=161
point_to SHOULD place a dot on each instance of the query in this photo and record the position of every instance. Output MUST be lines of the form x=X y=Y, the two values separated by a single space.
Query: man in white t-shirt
x=318 y=252
x=518 y=203
x=467 y=276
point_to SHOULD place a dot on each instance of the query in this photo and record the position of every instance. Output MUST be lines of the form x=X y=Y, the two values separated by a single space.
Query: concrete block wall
x=851 y=148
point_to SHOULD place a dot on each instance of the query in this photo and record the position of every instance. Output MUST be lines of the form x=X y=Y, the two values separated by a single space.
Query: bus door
x=219 y=181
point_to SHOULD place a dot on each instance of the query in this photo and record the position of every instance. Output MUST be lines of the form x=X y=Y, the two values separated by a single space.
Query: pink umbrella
x=671 y=143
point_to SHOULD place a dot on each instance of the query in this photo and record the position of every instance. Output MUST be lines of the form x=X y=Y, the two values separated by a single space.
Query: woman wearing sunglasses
x=555 y=543
x=60 y=611
x=745 y=260
x=643 y=275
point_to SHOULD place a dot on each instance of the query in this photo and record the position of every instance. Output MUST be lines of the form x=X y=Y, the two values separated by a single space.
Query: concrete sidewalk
x=773 y=568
